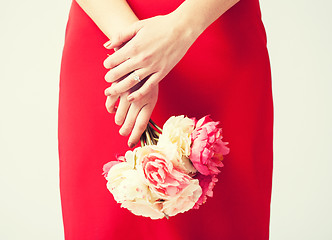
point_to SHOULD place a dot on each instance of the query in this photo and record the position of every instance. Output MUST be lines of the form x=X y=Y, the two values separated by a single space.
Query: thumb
x=123 y=36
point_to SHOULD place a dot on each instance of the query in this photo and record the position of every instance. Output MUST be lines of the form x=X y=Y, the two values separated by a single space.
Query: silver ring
x=136 y=77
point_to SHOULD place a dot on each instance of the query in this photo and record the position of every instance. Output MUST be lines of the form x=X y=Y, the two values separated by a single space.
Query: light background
x=299 y=41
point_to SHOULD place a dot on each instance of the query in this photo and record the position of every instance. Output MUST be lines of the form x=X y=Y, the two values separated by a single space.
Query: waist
x=149 y=8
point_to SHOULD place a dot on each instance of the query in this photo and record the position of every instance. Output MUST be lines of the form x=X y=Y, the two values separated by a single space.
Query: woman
x=171 y=57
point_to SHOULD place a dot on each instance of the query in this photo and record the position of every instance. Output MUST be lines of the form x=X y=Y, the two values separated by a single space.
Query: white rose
x=129 y=189
x=123 y=182
x=130 y=157
x=176 y=134
x=177 y=130
x=184 y=201
x=143 y=207
x=179 y=161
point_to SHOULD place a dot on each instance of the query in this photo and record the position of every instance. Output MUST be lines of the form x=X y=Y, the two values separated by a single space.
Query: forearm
x=111 y=16
x=197 y=15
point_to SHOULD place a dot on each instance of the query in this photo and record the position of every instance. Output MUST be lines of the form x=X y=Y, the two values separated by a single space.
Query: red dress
x=226 y=73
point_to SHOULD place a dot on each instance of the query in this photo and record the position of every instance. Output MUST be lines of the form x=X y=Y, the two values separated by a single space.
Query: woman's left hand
x=148 y=49
x=135 y=116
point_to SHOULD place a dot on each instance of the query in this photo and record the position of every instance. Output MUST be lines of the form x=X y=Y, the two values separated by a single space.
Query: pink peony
x=207 y=149
x=162 y=176
x=207 y=183
x=184 y=201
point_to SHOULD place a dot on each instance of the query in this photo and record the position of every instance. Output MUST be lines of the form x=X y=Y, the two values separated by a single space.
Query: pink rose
x=207 y=149
x=162 y=176
x=184 y=201
x=207 y=183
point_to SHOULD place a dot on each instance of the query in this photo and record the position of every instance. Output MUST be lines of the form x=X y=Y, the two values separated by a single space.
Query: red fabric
x=226 y=73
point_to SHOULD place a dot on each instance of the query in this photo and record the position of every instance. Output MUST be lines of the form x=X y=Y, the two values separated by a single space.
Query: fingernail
x=107 y=44
x=130 y=98
x=131 y=145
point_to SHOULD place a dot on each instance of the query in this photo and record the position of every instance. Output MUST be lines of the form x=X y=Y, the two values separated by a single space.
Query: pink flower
x=184 y=201
x=207 y=183
x=162 y=176
x=207 y=149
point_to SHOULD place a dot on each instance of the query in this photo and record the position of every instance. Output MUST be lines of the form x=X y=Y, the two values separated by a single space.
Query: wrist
x=188 y=22
x=184 y=28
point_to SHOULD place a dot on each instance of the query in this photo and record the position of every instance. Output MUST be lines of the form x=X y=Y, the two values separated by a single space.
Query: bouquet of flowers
x=173 y=171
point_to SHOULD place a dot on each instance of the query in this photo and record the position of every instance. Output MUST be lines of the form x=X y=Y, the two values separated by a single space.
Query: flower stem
x=155 y=125
x=150 y=135
x=142 y=141
x=148 y=138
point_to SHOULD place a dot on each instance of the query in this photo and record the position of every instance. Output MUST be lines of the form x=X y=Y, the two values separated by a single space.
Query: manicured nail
x=131 y=145
x=130 y=98
x=107 y=44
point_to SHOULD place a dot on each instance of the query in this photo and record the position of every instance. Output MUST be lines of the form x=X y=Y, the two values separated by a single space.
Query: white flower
x=130 y=157
x=129 y=188
x=143 y=207
x=184 y=201
x=123 y=181
x=179 y=161
x=177 y=130
x=175 y=140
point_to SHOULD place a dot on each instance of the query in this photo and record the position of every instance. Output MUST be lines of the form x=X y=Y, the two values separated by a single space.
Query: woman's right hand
x=148 y=48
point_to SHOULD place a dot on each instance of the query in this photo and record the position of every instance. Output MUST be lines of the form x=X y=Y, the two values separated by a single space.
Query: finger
x=116 y=58
x=122 y=110
x=127 y=83
x=121 y=70
x=110 y=103
x=129 y=122
x=152 y=81
x=123 y=36
x=141 y=122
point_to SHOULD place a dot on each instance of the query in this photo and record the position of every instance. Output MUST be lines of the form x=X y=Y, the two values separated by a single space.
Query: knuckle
x=152 y=84
x=132 y=81
x=146 y=58
x=118 y=37
x=141 y=127
x=139 y=95
x=114 y=91
x=148 y=87
x=134 y=49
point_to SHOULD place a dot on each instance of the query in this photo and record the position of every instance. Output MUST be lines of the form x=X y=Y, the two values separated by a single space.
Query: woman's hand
x=135 y=116
x=151 y=48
